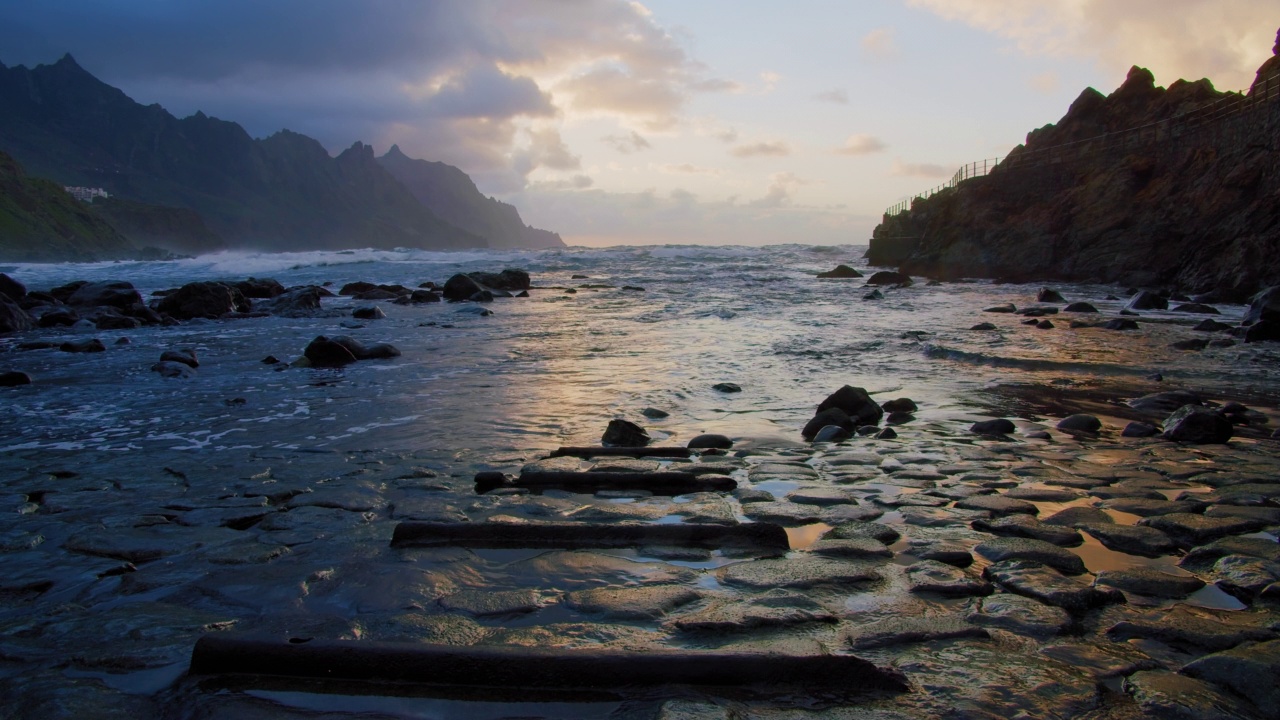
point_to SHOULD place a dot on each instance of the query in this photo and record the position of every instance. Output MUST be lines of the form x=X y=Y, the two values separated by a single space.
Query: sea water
x=553 y=369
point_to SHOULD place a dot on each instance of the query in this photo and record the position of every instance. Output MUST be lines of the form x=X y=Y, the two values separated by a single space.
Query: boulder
x=840 y=271
x=14 y=289
x=832 y=433
x=1049 y=295
x=624 y=433
x=856 y=403
x=983 y=326
x=998 y=426
x=323 y=352
x=1263 y=331
x=186 y=357
x=1196 y=424
x=93 y=345
x=368 y=313
x=873 y=295
x=1121 y=324
x=170 y=369
x=1081 y=423
x=710 y=441
x=1199 y=308
x=13 y=378
x=377 y=351
x=1147 y=300
x=1264 y=306
x=1006 y=308
x=260 y=288
x=12 y=317
x=889 y=277
x=115 y=293
x=727 y=387
x=57 y=317
x=205 y=299
x=899 y=405
x=296 y=302
x=1162 y=403
x=355 y=288
x=509 y=280
x=461 y=287
x=1080 y=307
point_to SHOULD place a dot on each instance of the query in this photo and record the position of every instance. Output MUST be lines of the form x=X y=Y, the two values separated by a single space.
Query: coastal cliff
x=1176 y=187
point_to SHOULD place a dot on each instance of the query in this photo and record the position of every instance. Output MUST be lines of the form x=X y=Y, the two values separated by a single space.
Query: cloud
x=1046 y=83
x=861 y=145
x=770 y=80
x=879 y=43
x=577 y=182
x=924 y=170
x=1224 y=40
x=455 y=81
x=688 y=169
x=626 y=144
x=838 y=96
x=545 y=149
x=775 y=148
x=779 y=194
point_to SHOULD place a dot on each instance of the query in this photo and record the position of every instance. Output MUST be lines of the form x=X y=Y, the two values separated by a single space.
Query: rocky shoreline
x=918 y=568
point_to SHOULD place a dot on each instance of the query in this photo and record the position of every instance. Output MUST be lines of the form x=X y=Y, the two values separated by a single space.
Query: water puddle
x=806 y=535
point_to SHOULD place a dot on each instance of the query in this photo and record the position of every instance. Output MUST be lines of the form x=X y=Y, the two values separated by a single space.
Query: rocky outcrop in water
x=1147 y=186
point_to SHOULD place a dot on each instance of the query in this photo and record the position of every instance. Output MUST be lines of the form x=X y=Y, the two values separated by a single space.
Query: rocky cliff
x=284 y=192
x=448 y=192
x=40 y=222
x=1176 y=187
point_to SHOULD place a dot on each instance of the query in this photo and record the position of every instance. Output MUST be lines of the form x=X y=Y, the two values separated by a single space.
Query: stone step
x=766 y=537
x=638 y=452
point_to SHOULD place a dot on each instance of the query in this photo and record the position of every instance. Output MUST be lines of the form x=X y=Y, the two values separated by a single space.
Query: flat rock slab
x=783 y=513
x=1252 y=671
x=1132 y=539
x=931 y=576
x=145 y=544
x=1021 y=615
x=942 y=551
x=625 y=465
x=775 y=609
x=1201 y=559
x=492 y=602
x=1194 y=629
x=426 y=509
x=664 y=482
x=1016 y=548
x=632 y=603
x=1042 y=494
x=1244 y=576
x=804 y=572
x=750 y=536
x=589 y=451
x=940 y=517
x=1191 y=530
x=1145 y=507
x=822 y=496
x=874 y=530
x=853 y=548
x=1077 y=516
x=1047 y=585
x=1162 y=694
x=782 y=471
x=910 y=630
x=840 y=514
x=998 y=505
x=1150 y=582
x=497 y=665
x=357 y=498
x=1028 y=527
x=1102 y=661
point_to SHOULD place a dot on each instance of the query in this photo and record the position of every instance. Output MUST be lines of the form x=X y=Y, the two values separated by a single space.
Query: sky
x=743 y=122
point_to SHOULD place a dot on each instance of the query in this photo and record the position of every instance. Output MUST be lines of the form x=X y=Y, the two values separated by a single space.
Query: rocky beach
x=630 y=483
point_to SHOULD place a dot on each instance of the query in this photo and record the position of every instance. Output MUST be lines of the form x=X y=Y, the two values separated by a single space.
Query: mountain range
x=199 y=184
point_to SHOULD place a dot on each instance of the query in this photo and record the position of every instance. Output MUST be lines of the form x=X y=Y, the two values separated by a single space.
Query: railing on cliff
x=1265 y=95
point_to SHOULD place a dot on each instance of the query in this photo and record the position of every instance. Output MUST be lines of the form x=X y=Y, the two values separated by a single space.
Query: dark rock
x=377 y=294
x=631 y=603
x=624 y=433
x=12 y=317
x=1162 y=694
x=1121 y=324
x=900 y=405
x=1150 y=582
x=1049 y=295
x=727 y=387
x=709 y=440
x=1039 y=551
x=296 y=302
x=368 y=313
x=899 y=418
x=868 y=430
x=1252 y=671
x=1190 y=530
x=1263 y=331
x=1080 y=307
x=873 y=530
x=855 y=403
x=186 y=357
x=655 y=413
x=931 y=576
x=778 y=608
x=58 y=317
x=1080 y=423
x=841 y=271
x=1202 y=559
x=323 y=352
x=509 y=280
x=170 y=369
x=1036 y=581
x=1044 y=325
x=1020 y=525
x=14 y=378
x=1264 y=306
x=889 y=277
x=999 y=426
x=909 y=630
x=983 y=326
x=1209 y=325
x=1222 y=343
x=377 y=351
x=1021 y=615
x=1189 y=628
x=1195 y=344
x=1244 y=576
x=1035 y=312
x=1200 y=308
x=887 y=434
x=1196 y=424
x=1147 y=300
x=873 y=295
x=998 y=504
x=355 y=288
x=461 y=287
x=109 y=321
x=84 y=346
x=12 y=288
x=260 y=288
x=206 y=299
x=114 y=293
x=1140 y=430
x=270 y=360
x=800 y=573
x=1006 y=308
x=417 y=297
x=832 y=433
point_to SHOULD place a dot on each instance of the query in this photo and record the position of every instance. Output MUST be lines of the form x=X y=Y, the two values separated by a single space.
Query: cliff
x=179 y=230
x=1176 y=187
x=450 y=193
x=40 y=222
x=284 y=192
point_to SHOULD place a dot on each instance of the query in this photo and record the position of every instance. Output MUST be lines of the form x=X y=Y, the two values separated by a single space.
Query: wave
x=940 y=352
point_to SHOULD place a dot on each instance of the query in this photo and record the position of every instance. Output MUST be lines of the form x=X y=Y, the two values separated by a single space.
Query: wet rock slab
x=1150 y=582
x=632 y=603
x=908 y=630
x=1047 y=585
x=931 y=576
x=1250 y=670
x=1164 y=694
x=770 y=610
x=1022 y=615
x=1038 y=551
x=804 y=572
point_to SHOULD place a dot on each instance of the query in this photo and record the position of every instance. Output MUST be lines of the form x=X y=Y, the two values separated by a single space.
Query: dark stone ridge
x=1049 y=295
x=12 y=317
x=998 y=426
x=624 y=433
x=92 y=345
x=726 y=387
x=709 y=440
x=260 y=288
x=1080 y=307
x=14 y=378
x=888 y=277
x=206 y=299
x=1190 y=205
x=840 y=271
x=324 y=352
x=1080 y=423
x=368 y=313
x=1196 y=424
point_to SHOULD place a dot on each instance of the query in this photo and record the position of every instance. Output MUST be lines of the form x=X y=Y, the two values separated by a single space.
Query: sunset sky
x=667 y=121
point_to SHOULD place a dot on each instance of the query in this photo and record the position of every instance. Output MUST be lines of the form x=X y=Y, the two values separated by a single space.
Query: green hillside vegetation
x=180 y=230
x=40 y=222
